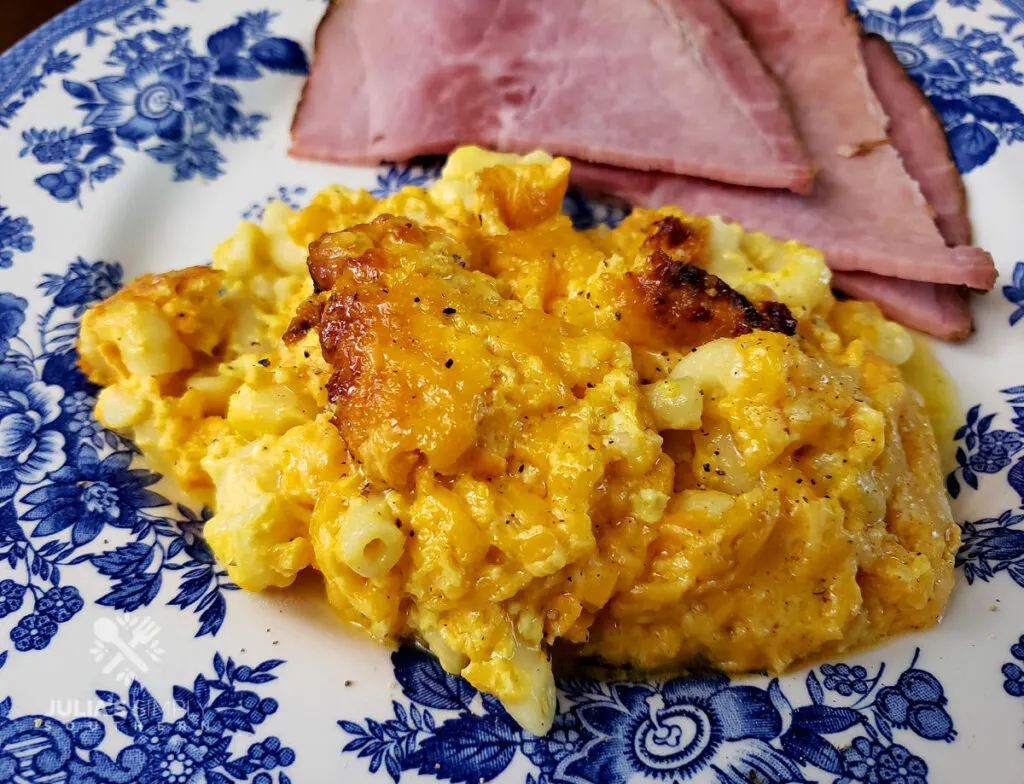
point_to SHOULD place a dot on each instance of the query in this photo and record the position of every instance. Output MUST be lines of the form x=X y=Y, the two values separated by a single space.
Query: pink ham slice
x=856 y=245
x=918 y=136
x=942 y=311
x=866 y=213
x=916 y=132
x=666 y=85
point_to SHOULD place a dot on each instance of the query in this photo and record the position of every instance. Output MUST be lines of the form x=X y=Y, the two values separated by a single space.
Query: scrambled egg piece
x=664 y=444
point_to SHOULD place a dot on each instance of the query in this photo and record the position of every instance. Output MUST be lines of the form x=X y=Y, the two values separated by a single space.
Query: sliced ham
x=942 y=311
x=916 y=132
x=665 y=85
x=866 y=213
x=877 y=246
x=938 y=309
x=918 y=136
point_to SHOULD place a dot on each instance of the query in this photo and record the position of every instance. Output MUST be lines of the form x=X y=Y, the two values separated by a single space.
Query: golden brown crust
x=684 y=304
x=353 y=311
x=386 y=298
x=362 y=253
x=686 y=241
x=307 y=317
x=344 y=332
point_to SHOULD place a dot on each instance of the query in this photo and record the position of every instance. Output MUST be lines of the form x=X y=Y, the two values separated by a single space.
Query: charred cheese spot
x=694 y=306
x=362 y=254
x=776 y=317
x=670 y=302
x=683 y=294
x=685 y=241
x=346 y=326
x=307 y=317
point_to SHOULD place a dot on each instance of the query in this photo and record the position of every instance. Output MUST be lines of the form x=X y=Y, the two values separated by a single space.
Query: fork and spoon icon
x=144 y=632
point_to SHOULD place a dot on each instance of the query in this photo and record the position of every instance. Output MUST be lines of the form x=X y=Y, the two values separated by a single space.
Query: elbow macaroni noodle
x=371 y=540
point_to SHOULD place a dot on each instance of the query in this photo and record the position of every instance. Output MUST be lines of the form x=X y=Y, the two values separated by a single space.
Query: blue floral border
x=25 y=66
x=197 y=744
x=1013 y=672
x=64 y=481
x=15 y=237
x=956 y=70
x=1014 y=293
x=164 y=99
x=444 y=728
x=845 y=728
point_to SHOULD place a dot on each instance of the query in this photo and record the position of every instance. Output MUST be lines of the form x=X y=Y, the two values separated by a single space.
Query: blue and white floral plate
x=133 y=135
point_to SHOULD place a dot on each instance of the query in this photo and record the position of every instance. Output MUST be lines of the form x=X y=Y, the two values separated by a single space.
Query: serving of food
x=661 y=445
x=616 y=424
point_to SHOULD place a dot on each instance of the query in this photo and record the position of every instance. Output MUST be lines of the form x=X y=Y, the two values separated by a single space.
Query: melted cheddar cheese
x=663 y=444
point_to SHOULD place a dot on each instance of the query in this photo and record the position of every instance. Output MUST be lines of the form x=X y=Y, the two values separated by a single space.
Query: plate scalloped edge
x=177 y=95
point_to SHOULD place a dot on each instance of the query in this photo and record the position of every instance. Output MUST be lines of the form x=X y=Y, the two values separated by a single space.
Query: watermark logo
x=66 y=710
x=126 y=645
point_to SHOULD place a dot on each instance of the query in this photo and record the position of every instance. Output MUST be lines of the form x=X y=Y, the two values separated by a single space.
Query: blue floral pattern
x=15 y=237
x=1013 y=674
x=983 y=450
x=1013 y=671
x=394 y=177
x=165 y=100
x=64 y=480
x=672 y=730
x=992 y=545
x=1014 y=292
x=195 y=745
x=73 y=501
x=1010 y=17
x=30 y=446
x=955 y=70
x=56 y=62
x=289 y=194
x=26 y=68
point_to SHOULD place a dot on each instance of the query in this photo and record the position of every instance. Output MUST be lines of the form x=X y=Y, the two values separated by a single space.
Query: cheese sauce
x=941 y=399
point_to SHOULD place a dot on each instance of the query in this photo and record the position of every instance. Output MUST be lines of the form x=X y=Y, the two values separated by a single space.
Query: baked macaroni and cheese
x=661 y=445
